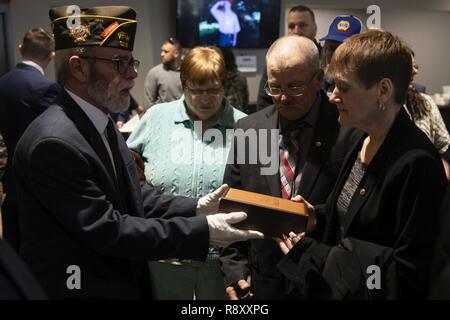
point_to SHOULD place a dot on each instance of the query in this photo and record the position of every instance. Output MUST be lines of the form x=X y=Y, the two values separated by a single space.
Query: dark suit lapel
x=92 y=136
x=269 y=123
x=362 y=193
x=132 y=185
x=368 y=183
x=325 y=134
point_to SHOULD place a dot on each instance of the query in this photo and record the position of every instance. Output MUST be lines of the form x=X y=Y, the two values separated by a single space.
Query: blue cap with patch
x=342 y=28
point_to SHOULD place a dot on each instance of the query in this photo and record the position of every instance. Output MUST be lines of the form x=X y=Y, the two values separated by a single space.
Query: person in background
x=181 y=160
x=162 y=83
x=341 y=28
x=228 y=20
x=236 y=88
x=121 y=118
x=25 y=93
x=300 y=21
x=382 y=217
x=426 y=115
x=420 y=87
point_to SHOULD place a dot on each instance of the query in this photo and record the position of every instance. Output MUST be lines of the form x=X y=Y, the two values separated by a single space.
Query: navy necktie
x=117 y=158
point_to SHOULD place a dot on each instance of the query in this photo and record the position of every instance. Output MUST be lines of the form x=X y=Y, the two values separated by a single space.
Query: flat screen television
x=228 y=23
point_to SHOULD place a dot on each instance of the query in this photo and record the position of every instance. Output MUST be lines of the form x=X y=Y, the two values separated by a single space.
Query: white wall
x=427 y=31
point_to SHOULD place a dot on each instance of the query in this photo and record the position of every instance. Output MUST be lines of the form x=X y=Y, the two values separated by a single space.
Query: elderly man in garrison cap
x=87 y=226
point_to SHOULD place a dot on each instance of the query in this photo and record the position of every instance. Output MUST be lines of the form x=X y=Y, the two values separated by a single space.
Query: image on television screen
x=228 y=23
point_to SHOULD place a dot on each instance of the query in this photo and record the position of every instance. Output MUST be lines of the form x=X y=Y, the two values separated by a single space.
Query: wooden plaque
x=271 y=215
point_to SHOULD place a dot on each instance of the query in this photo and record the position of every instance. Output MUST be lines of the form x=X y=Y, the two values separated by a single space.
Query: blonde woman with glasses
x=181 y=158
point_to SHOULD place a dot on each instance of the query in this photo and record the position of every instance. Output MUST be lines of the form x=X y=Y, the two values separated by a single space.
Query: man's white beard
x=108 y=96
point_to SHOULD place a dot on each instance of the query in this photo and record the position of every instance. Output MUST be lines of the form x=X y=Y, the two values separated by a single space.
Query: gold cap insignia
x=80 y=34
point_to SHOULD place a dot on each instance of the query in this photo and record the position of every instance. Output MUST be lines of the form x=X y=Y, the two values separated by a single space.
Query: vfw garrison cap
x=108 y=26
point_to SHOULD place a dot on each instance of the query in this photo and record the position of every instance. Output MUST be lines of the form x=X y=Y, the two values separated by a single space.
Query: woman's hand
x=287 y=243
x=311 y=213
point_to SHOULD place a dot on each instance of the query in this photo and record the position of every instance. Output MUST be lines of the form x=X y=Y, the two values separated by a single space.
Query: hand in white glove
x=222 y=234
x=209 y=204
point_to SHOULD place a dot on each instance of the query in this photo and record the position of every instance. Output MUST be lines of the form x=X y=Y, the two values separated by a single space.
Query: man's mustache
x=287 y=105
x=126 y=85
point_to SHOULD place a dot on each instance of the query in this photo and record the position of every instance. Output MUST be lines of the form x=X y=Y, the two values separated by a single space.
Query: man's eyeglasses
x=293 y=91
x=210 y=91
x=122 y=64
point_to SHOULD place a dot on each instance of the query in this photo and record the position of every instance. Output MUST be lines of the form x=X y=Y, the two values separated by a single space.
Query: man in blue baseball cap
x=340 y=29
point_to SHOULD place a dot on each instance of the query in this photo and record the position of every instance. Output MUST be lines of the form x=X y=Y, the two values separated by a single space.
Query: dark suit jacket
x=391 y=223
x=71 y=211
x=16 y=281
x=263 y=100
x=25 y=93
x=323 y=162
x=440 y=288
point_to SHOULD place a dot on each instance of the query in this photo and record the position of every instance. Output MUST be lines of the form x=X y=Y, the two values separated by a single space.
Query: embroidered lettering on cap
x=124 y=39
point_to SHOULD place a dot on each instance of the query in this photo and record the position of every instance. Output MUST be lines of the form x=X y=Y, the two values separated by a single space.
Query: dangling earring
x=381 y=106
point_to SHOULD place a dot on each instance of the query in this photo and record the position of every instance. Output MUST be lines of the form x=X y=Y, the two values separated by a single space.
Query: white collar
x=34 y=65
x=97 y=117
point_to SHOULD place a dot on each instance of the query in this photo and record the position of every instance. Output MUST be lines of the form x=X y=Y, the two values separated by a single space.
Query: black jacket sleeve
x=159 y=205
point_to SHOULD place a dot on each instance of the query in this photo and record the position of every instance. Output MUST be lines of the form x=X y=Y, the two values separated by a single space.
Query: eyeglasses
x=122 y=64
x=210 y=91
x=294 y=91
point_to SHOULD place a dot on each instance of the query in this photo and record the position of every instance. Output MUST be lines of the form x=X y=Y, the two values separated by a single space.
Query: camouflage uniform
x=236 y=89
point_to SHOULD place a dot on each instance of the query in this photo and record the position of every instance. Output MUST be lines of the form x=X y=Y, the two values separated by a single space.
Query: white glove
x=222 y=234
x=209 y=204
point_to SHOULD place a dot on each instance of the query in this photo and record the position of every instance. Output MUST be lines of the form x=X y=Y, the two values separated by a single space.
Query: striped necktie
x=289 y=156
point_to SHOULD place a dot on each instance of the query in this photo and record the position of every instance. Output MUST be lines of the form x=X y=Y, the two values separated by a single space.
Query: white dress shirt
x=34 y=65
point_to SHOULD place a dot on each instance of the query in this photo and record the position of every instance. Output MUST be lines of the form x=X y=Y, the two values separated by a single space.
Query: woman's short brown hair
x=374 y=55
x=202 y=65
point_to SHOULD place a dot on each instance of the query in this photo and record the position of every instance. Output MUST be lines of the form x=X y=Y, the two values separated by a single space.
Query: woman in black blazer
x=381 y=218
